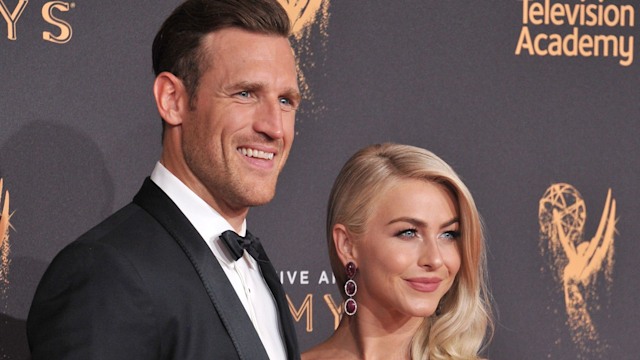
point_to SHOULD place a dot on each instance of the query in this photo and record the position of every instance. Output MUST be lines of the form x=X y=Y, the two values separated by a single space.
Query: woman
x=406 y=246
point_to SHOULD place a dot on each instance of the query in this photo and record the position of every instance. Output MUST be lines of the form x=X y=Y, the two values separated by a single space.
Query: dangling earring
x=350 y=288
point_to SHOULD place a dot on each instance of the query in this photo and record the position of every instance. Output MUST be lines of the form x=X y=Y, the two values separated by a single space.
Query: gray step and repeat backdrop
x=535 y=103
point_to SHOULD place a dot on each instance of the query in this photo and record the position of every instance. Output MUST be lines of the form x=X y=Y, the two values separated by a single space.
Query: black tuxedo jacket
x=144 y=285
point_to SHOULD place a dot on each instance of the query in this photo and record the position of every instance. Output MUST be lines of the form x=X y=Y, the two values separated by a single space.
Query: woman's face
x=409 y=255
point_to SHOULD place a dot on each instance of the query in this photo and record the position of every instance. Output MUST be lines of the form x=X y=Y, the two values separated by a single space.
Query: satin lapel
x=286 y=321
x=223 y=297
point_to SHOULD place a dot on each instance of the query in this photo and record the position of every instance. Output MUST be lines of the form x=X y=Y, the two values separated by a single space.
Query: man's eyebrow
x=293 y=93
x=245 y=85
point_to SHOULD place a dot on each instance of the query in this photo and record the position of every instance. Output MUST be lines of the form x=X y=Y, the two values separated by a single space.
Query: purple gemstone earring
x=350 y=288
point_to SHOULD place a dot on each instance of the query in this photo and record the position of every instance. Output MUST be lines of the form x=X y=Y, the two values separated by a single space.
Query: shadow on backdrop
x=59 y=187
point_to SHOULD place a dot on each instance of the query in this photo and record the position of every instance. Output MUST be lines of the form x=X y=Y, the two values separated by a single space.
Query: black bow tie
x=238 y=244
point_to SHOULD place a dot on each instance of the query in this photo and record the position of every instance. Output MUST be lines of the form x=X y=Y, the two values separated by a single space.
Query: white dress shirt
x=244 y=274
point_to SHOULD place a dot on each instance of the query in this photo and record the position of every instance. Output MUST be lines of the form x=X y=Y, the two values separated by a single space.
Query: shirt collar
x=205 y=219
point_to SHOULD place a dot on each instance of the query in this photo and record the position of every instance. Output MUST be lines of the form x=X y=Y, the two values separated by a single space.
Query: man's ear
x=171 y=97
x=343 y=241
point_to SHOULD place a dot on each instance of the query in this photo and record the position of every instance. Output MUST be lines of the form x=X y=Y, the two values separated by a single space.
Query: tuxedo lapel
x=286 y=322
x=217 y=285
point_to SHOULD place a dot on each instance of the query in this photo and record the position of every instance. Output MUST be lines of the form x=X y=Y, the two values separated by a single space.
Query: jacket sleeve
x=92 y=304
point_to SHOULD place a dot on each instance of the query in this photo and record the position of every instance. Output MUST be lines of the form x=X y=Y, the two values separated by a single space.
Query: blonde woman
x=407 y=249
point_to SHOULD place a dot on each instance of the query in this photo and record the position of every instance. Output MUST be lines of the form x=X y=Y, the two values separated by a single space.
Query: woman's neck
x=368 y=336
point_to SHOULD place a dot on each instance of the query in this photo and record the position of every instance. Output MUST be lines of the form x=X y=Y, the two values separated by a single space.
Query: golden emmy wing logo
x=4 y=236
x=303 y=13
x=576 y=262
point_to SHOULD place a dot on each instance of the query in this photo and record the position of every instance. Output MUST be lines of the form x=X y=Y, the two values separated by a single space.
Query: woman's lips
x=424 y=284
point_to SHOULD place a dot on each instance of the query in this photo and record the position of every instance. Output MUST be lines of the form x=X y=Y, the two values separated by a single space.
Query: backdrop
x=534 y=103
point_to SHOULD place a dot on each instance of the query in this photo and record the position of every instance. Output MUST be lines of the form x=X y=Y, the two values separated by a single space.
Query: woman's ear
x=171 y=97
x=343 y=241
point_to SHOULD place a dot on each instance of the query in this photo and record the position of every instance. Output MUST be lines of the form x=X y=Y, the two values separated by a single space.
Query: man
x=156 y=280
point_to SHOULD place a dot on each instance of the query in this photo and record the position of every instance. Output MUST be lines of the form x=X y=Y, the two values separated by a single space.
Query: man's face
x=237 y=137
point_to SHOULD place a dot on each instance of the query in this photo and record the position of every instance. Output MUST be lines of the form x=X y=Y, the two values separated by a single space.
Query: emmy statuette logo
x=576 y=263
x=304 y=14
x=4 y=238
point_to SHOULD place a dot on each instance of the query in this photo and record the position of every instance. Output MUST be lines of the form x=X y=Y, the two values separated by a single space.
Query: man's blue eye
x=244 y=93
x=285 y=101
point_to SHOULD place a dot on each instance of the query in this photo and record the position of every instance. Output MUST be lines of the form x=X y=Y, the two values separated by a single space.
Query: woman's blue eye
x=451 y=235
x=407 y=233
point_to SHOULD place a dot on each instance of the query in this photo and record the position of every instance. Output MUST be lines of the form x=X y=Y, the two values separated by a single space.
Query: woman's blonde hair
x=464 y=323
